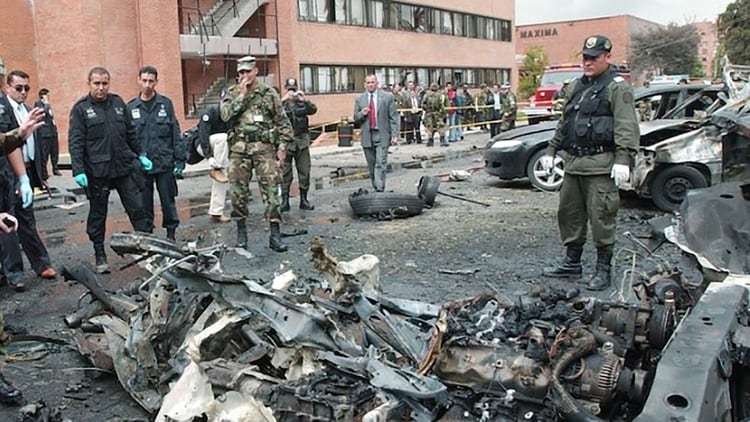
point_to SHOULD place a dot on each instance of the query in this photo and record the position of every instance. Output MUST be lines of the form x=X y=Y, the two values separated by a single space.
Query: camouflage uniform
x=434 y=105
x=510 y=108
x=258 y=128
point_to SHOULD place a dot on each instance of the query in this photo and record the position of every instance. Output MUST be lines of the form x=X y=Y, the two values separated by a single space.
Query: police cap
x=596 y=45
x=2 y=67
x=505 y=85
x=291 y=83
x=246 y=63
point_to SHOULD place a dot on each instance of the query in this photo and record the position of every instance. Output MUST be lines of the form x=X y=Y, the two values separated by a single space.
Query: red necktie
x=373 y=122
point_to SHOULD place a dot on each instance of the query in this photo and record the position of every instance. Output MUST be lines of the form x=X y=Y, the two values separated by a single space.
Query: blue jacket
x=158 y=131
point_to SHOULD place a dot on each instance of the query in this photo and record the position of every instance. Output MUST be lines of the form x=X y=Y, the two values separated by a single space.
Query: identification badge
x=136 y=113
x=257 y=118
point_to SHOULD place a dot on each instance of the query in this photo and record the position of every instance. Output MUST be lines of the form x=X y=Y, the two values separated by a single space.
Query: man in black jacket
x=103 y=149
x=158 y=132
x=47 y=134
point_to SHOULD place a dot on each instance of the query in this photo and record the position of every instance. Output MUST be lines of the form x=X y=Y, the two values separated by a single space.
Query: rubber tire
x=427 y=189
x=534 y=164
x=380 y=204
x=681 y=177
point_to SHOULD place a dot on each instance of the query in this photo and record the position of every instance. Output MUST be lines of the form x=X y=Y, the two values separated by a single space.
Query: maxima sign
x=538 y=33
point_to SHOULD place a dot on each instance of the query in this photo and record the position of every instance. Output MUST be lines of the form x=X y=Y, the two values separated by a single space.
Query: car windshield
x=559 y=76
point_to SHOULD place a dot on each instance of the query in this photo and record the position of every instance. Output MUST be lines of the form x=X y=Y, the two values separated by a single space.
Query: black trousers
x=166 y=185
x=26 y=236
x=53 y=147
x=98 y=195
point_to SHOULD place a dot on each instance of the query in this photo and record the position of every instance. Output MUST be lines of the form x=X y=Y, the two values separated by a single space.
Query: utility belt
x=585 y=150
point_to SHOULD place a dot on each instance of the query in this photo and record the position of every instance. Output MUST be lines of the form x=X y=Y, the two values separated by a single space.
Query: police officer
x=297 y=109
x=103 y=153
x=258 y=136
x=48 y=132
x=599 y=131
x=158 y=132
x=435 y=105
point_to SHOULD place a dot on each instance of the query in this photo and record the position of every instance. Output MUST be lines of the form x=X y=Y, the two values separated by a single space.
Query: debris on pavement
x=189 y=342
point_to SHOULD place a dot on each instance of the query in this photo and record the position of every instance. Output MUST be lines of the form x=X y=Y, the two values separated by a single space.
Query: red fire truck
x=555 y=75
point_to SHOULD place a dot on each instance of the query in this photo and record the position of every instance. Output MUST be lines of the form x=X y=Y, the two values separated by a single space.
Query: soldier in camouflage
x=435 y=104
x=510 y=107
x=257 y=138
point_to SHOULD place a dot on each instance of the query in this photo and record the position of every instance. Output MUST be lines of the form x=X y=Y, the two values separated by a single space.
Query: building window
x=406 y=18
x=356 y=12
x=339 y=11
x=506 y=33
x=376 y=16
x=446 y=26
x=313 y=10
x=324 y=79
x=458 y=24
x=471 y=26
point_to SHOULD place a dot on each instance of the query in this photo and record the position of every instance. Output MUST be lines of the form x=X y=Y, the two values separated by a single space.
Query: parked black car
x=516 y=153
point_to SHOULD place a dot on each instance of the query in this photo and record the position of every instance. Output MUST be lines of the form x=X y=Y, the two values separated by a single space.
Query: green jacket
x=626 y=132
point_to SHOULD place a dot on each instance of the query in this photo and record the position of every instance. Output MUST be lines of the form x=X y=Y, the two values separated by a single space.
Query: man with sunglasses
x=13 y=111
x=600 y=134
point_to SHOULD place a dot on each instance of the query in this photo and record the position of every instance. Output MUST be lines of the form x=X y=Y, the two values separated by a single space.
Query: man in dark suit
x=375 y=114
x=48 y=132
x=14 y=110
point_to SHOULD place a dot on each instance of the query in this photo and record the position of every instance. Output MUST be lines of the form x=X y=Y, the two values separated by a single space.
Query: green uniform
x=258 y=128
x=299 y=149
x=8 y=142
x=435 y=105
x=510 y=108
x=607 y=135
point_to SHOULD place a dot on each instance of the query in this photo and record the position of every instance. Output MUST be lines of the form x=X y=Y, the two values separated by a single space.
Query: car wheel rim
x=676 y=188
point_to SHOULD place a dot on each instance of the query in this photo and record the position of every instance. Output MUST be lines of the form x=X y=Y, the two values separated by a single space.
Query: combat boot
x=443 y=142
x=570 y=267
x=274 y=241
x=284 y=207
x=304 y=204
x=8 y=393
x=430 y=140
x=170 y=235
x=241 y=233
x=101 y=258
x=602 y=278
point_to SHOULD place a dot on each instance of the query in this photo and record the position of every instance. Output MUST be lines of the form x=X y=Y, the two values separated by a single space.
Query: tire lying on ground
x=385 y=205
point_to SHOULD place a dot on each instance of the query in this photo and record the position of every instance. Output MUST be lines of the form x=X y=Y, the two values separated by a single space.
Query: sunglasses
x=21 y=88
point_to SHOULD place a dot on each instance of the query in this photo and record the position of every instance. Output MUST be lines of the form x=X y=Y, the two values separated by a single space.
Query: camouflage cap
x=246 y=63
x=505 y=85
x=434 y=86
x=596 y=45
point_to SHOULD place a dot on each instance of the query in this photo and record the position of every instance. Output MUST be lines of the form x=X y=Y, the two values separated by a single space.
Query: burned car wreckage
x=189 y=342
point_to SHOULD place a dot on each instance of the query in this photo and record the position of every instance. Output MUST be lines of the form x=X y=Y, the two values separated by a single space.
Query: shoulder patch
x=627 y=97
x=619 y=79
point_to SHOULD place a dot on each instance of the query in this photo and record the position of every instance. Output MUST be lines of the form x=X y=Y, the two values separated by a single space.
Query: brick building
x=328 y=44
x=562 y=40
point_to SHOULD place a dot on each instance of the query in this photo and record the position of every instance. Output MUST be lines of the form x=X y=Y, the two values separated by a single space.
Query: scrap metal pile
x=191 y=342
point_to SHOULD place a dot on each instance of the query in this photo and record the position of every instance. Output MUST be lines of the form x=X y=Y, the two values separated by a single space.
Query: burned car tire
x=427 y=189
x=670 y=186
x=537 y=176
x=385 y=205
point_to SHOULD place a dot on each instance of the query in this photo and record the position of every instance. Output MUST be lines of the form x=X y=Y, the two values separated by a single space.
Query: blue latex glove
x=27 y=194
x=178 y=169
x=81 y=179
x=146 y=163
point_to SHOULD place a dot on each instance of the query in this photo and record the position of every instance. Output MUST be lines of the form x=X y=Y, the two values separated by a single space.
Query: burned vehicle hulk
x=189 y=342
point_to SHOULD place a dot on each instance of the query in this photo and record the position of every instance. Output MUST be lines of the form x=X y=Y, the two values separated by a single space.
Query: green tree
x=734 y=31
x=672 y=50
x=533 y=65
